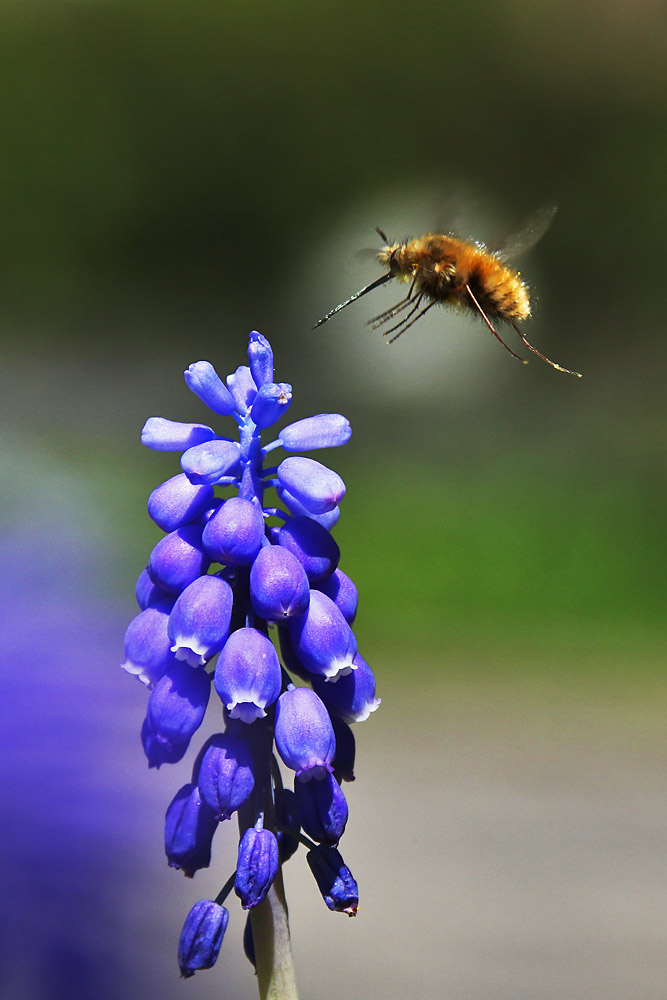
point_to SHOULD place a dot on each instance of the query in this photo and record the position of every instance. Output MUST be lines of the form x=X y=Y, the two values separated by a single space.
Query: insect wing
x=366 y=254
x=530 y=233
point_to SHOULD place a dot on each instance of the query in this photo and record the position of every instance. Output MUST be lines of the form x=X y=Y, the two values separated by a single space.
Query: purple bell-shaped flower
x=199 y=620
x=303 y=733
x=322 y=639
x=247 y=676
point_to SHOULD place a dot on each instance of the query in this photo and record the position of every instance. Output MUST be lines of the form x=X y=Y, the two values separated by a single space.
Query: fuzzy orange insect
x=446 y=270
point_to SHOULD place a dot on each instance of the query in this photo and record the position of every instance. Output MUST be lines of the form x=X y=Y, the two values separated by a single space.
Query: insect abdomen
x=499 y=290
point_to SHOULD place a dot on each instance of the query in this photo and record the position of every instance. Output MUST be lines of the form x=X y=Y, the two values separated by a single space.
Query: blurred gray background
x=173 y=176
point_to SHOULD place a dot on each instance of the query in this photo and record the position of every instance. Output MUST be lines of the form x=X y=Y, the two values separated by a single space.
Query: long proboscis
x=353 y=298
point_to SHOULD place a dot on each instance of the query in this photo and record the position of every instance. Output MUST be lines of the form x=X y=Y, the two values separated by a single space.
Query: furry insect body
x=445 y=270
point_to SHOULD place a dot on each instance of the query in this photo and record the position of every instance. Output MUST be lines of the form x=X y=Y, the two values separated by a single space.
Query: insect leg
x=386 y=314
x=408 y=325
x=535 y=351
x=495 y=334
x=415 y=306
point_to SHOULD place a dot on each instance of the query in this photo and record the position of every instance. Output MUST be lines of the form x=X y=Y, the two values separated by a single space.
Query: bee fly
x=445 y=270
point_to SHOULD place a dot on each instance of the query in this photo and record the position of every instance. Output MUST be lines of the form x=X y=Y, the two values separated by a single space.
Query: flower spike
x=217 y=584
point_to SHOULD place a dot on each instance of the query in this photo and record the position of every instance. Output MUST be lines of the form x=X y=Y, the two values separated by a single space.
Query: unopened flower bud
x=243 y=388
x=148 y=594
x=297 y=509
x=260 y=356
x=161 y=434
x=278 y=584
x=233 y=535
x=256 y=866
x=202 y=379
x=334 y=879
x=325 y=430
x=188 y=831
x=178 y=559
x=226 y=774
x=271 y=403
x=312 y=545
x=212 y=462
x=201 y=937
x=318 y=488
x=159 y=750
x=322 y=809
x=342 y=592
x=178 y=501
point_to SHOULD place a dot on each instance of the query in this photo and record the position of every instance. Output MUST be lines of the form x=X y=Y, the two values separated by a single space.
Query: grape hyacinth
x=230 y=574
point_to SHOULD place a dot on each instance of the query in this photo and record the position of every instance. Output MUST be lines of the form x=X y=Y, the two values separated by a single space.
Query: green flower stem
x=270 y=925
x=273 y=948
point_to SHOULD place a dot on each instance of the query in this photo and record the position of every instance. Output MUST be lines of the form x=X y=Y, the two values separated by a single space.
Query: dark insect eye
x=394 y=263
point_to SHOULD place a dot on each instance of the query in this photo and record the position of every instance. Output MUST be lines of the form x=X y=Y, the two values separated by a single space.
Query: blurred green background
x=175 y=175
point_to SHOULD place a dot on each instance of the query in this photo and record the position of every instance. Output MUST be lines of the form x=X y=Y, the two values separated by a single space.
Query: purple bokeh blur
x=88 y=907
